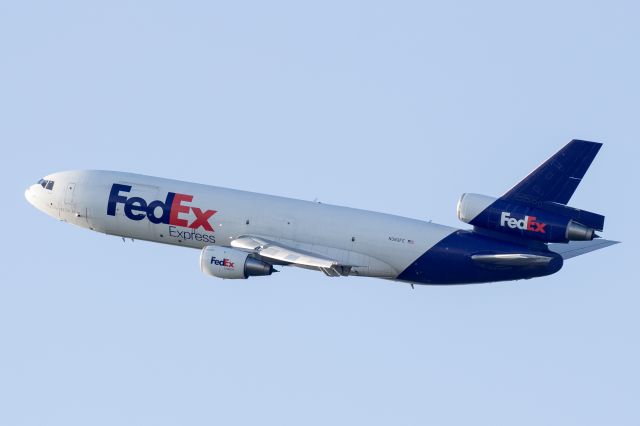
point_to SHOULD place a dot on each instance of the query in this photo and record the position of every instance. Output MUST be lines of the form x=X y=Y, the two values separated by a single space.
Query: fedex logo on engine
x=169 y=210
x=227 y=263
x=529 y=223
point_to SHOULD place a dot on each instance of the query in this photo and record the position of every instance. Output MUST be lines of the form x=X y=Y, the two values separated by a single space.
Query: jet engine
x=546 y=222
x=229 y=263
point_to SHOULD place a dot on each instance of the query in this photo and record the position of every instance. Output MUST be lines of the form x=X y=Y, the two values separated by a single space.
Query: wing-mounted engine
x=229 y=263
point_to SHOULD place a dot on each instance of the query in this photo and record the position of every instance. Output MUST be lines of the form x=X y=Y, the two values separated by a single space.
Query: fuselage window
x=50 y=184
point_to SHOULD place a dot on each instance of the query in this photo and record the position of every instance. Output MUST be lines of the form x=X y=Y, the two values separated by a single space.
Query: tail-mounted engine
x=545 y=221
x=229 y=263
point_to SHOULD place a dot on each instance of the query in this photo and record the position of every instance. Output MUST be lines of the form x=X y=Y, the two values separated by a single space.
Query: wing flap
x=283 y=253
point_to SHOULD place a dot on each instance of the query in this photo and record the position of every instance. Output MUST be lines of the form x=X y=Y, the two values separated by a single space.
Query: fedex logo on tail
x=137 y=208
x=529 y=223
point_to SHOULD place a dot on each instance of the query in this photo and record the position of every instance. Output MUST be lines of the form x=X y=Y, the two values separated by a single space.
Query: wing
x=289 y=255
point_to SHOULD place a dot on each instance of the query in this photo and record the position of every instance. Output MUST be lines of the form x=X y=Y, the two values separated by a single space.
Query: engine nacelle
x=547 y=223
x=229 y=263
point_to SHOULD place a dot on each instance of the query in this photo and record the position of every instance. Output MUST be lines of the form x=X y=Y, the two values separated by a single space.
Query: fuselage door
x=68 y=193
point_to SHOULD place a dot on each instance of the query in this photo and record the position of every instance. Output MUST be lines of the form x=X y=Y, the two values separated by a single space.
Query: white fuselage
x=380 y=245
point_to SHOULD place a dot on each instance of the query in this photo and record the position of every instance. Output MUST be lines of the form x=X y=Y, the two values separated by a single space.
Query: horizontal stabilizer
x=577 y=248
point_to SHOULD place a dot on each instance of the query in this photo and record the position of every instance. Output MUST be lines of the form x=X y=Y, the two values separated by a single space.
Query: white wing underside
x=283 y=253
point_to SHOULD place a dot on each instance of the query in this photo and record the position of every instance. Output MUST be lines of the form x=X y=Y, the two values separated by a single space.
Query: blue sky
x=397 y=107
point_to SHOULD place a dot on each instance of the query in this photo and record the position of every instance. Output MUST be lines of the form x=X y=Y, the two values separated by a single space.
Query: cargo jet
x=527 y=232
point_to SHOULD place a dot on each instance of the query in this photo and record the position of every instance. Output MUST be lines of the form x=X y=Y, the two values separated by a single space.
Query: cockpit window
x=46 y=184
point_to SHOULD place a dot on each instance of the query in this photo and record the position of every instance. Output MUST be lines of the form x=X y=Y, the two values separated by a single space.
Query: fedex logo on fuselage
x=529 y=223
x=137 y=208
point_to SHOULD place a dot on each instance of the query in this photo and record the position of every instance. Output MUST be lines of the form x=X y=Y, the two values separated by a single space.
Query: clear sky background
x=391 y=106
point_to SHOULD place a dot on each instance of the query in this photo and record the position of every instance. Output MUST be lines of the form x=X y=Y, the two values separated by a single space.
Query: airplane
x=527 y=232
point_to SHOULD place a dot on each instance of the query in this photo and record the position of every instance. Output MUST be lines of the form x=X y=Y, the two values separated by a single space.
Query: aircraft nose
x=28 y=194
